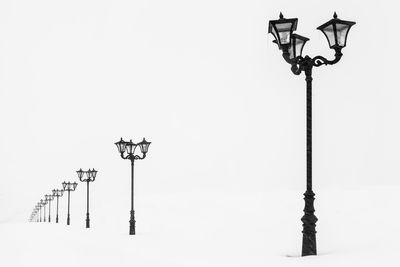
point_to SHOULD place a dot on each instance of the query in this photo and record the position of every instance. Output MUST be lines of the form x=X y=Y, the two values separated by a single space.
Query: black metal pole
x=309 y=219
x=68 y=209
x=132 y=220
x=87 y=206
x=49 y=211
x=40 y=214
x=44 y=210
x=57 y=210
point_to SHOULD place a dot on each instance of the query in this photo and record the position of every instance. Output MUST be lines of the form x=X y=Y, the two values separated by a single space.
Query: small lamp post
x=43 y=203
x=292 y=44
x=35 y=211
x=68 y=186
x=40 y=210
x=90 y=177
x=33 y=215
x=127 y=151
x=57 y=193
x=49 y=198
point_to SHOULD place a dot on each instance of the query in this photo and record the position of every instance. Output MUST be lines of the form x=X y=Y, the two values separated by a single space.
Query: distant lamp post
x=49 y=198
x=40 y=210
x=127 y=151
x=57 y=193
x=68 y=186
x=32 y=218
x=90 y=177
x=37 y=213
x=292 y=44
x=43 y=203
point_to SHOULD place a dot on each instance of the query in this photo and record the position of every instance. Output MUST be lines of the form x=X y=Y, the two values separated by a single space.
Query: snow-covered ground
x=357 y=227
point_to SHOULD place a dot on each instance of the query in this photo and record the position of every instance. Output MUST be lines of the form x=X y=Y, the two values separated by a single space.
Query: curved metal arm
x=320 y=60
x=295 y=62
x=296 y=69
x=300 y=63
x=124 y=157
x=133 y=157
x=142 y=157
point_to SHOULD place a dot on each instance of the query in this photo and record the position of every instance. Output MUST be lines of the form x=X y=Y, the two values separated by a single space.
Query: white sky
x=204 y=83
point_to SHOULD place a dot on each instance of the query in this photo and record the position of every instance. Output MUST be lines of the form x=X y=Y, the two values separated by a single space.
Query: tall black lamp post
x=127 y=151
x=43 y=203
x=90 y=177
x=49 y=198
x=68 y=186
x=292 y=44
x=57 y=193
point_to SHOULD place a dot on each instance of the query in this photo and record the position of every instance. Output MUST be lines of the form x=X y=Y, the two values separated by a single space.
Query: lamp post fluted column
x=87 y=206
x=132 y=221
x=49 y=210
x=90 y=177
x=309 y=244
x=292 y=44
x=127 y=151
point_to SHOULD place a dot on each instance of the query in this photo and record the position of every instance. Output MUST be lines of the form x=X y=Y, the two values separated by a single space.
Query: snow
x=356 y=227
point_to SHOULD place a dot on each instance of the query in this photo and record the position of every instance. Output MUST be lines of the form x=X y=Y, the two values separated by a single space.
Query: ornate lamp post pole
x=90 y=177
x=69 y=187
x=49 y=198
x=292 y=44
x=43 y=203
x=129 y=148
x=57 y=193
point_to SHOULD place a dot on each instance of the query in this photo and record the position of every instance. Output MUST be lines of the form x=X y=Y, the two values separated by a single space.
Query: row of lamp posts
x=127 y=150
x=291 y=45
x=36 y=215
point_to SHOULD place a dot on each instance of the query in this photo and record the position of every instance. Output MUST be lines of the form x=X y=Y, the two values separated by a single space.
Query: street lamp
x=292 y=44
x=37 y=213
x=57 y=193
x=129 y=148
x=49 y=198
x=43 y=203
x=90 y=177
x=68 y=186
x=39 y=204
x=34 y=213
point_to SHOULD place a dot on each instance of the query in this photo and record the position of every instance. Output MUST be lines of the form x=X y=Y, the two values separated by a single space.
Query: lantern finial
x=280 y=15
x=335 y=15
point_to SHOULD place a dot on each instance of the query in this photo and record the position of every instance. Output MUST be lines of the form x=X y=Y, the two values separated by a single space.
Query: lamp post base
x=132 y=223
x=309 y=220
x=87 y=220
x=57 y=219
x=68 y=219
